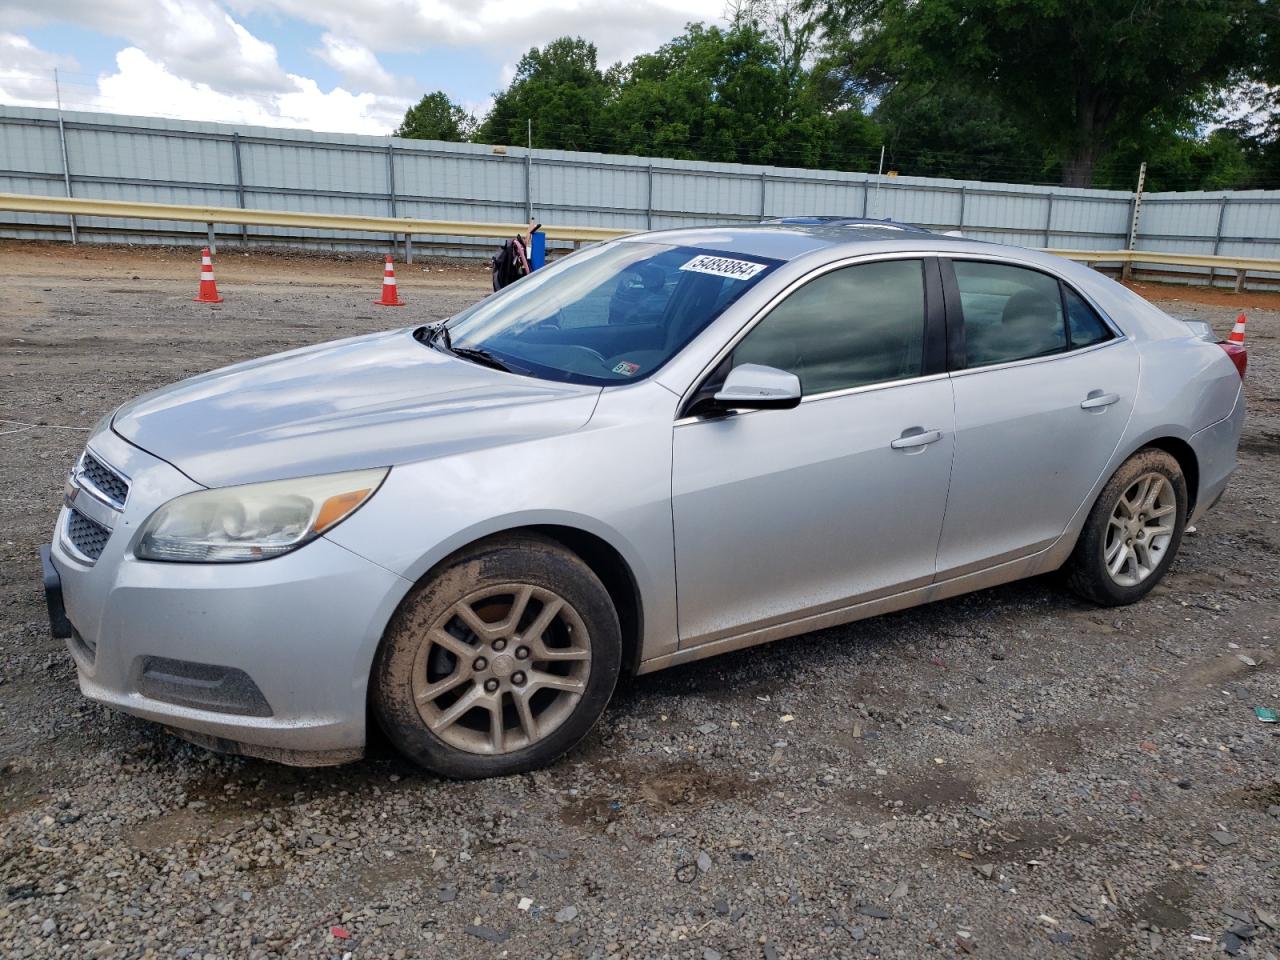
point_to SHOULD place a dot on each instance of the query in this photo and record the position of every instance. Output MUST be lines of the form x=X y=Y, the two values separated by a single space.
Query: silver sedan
x=659 y=449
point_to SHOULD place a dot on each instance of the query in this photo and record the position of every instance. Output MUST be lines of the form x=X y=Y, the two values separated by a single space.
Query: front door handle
x=915 y=437
x=1097 y=399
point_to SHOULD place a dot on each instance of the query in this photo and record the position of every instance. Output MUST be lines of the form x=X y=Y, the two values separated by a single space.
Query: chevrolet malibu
x=659 y=449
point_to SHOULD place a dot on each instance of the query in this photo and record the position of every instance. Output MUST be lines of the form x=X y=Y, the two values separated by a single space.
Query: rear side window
x=848 y=328
x=1083 y=323
x=1010 y=313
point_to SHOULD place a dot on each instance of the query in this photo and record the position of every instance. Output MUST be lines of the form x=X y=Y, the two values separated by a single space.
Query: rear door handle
x=1097 y=399
x=918 y=438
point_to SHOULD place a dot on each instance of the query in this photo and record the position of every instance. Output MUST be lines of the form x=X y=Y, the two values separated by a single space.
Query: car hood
x=369 y=401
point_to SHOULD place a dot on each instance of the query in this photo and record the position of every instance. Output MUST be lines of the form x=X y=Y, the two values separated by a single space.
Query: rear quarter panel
x=1186 y=384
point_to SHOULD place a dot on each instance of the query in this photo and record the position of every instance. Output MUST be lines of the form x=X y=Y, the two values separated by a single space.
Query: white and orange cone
x=208 y=288
x=1237 y=332
x=390 y=296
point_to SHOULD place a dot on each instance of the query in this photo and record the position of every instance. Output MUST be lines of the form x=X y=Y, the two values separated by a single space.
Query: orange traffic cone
x=1237 y=332
x=390 y=298
x=208 y=288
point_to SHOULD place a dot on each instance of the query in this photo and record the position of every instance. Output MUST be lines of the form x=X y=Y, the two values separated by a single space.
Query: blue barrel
x=537 y=250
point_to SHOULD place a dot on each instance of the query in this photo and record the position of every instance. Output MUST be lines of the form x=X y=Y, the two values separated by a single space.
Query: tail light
x=1238 y=354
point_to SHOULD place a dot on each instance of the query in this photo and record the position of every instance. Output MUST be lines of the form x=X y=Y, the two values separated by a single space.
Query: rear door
x=1043 y=390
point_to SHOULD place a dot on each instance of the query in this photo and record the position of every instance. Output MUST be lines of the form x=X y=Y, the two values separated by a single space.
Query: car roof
x=828 y=221
x=791 y=240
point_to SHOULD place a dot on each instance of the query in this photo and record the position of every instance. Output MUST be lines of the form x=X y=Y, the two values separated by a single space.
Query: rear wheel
x=500 y=662
x=1133 y=531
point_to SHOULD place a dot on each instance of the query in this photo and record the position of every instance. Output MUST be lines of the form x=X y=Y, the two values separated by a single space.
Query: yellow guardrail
x=1240 y=266
x=129 y=210
x=1226 y=264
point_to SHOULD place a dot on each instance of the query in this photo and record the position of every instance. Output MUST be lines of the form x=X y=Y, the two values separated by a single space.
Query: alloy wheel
x=501 y=668
x=1140 y=529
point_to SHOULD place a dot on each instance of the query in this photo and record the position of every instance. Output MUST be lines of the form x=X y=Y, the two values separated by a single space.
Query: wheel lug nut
x=522 y=653
x=499 y=645
x=480 y=663
x=517 y=678
x=491 y=685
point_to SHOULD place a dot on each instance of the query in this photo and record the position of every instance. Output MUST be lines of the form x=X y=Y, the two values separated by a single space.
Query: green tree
x=709 y=94
x=1179 y=156
x=933 y=130
x=792 y=26
x=436 y=117
x=729 y=95
x=561 y=89
x=1074 y=74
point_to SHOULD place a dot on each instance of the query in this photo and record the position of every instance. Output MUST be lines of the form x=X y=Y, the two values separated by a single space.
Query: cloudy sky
x=322 y=64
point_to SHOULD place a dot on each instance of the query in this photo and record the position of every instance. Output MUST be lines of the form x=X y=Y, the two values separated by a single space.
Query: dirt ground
x=1009 y=774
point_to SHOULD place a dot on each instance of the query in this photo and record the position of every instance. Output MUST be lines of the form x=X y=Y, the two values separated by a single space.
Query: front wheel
x=1133 y=531
x=499 y=662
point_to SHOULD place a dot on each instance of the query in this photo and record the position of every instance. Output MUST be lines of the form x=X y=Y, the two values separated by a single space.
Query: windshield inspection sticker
x=627 y=368
x=724 y=267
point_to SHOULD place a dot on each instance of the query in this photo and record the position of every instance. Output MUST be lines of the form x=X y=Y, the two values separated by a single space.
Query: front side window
x=608 y=315
x=852 y=327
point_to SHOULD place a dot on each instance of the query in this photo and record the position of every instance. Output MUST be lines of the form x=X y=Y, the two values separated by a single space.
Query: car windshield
x=610 y=314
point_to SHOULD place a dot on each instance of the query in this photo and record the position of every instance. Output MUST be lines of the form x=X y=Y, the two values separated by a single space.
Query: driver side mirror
x=753 y=386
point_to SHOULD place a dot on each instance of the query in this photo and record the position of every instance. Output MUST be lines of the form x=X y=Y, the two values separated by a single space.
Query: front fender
x=612 y=481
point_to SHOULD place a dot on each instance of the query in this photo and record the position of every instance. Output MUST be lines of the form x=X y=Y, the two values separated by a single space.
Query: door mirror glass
x=753 y=386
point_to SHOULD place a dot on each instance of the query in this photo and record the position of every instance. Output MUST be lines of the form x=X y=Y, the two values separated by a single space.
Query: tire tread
x=503 y=557
x=1085 y=574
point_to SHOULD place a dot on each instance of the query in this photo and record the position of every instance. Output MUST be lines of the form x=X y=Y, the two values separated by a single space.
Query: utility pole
x=528 y=172
x=62 y=137
x=879 y=177
x=1126 y=271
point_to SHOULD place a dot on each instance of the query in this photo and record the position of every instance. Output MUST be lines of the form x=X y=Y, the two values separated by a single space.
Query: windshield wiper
x=483 y=357
x=439 y=334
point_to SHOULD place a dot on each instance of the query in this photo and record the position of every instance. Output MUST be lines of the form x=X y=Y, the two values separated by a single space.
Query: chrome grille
x=102 y=478
x=85 y=535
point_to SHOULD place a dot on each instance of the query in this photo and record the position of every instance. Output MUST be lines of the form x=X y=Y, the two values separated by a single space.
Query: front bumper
x=269 y=658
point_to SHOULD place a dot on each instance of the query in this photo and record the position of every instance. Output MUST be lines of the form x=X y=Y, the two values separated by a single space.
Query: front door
x=783 y=513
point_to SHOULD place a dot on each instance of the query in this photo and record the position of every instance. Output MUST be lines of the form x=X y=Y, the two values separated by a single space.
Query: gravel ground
x=1008 y=774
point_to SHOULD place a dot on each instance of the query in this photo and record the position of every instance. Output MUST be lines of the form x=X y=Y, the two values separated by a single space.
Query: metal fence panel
x=26 y=148
x=148 y=159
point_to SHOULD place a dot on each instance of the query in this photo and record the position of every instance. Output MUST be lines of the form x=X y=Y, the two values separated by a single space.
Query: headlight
x=255 y=521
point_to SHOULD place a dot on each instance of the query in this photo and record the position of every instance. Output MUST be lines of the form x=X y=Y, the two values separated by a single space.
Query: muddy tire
x=1133 y=531
x=499 y=661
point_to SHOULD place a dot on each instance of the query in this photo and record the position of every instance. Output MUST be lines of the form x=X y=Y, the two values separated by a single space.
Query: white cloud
x=196 y=39
x=143 y=86
x=358 y=66
x=500 y=29
x=193 y=58
x=26 y=71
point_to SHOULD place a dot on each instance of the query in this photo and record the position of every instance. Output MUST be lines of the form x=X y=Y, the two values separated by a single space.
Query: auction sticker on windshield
x=723 y=267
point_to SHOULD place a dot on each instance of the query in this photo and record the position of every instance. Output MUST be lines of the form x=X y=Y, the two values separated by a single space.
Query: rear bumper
x=1215 y=448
